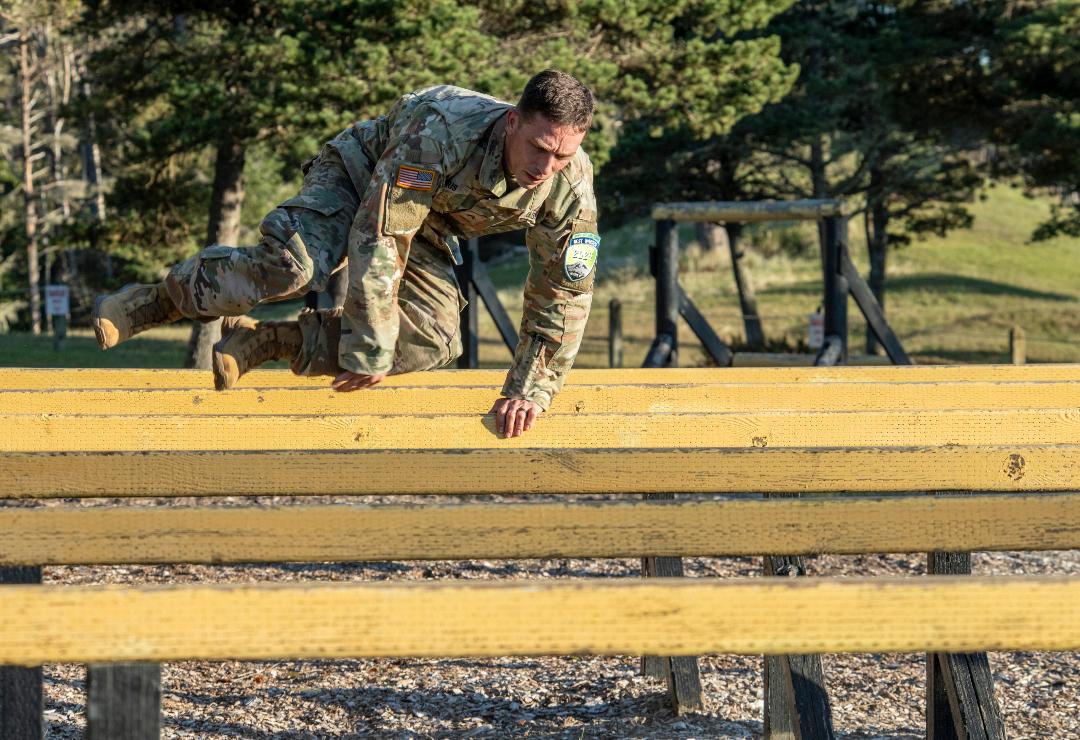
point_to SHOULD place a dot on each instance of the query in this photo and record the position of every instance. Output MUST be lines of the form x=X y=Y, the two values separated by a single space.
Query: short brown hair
x=558 y=97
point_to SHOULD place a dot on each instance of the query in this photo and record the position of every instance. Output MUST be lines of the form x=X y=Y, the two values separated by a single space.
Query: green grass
x=949 y=299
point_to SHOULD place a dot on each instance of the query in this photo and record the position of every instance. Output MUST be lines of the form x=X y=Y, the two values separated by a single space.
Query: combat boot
x=246 y=343
x=134 y=308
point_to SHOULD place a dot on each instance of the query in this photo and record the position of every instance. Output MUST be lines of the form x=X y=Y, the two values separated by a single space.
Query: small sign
x=57 y=300
x=815 y=336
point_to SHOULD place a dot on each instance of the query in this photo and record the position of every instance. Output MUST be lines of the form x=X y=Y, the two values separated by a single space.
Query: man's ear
x=512 y=118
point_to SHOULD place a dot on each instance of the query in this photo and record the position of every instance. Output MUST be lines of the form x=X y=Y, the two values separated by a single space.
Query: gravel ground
x=873 y=696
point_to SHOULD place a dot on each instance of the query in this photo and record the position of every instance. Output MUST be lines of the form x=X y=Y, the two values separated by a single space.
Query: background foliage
x=906 y=109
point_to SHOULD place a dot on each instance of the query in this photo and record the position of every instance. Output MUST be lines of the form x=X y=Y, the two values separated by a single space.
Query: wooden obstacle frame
x=929 y=429
x=840 y=279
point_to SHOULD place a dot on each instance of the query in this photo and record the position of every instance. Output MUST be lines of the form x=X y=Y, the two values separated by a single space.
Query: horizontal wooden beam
x=69 y=378
x=798 y=359
x=575 y=399
x=116 y=433
x=136 y=534
x=80 y=624
x=747 y=212
x=567 y=471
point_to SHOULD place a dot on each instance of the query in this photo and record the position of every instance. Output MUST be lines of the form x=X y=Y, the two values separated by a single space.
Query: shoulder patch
x=579 y=259
x=415 y=178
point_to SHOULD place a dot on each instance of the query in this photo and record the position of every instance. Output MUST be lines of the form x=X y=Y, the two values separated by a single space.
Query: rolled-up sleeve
x=558 y=297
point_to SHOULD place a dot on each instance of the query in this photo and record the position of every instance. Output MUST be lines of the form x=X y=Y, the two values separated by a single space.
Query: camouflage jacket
x=438 y=175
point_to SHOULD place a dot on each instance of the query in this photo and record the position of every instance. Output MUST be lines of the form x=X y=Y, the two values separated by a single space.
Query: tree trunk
x=755 y=337
x=877 y=242
x=226 y=200
x=33 y=269
x=91 y=166
x=713 y=238
x=819 y=183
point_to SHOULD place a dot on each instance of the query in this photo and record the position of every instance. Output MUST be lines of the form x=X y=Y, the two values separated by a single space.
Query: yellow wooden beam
x=704 y=470
x=79 y=624
x=575 y=399
x=58 y=433
x=65 y=535
x=54 y=379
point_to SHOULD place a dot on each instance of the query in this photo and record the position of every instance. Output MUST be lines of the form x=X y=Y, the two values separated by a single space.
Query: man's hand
x=353 y=382
x=513 y=416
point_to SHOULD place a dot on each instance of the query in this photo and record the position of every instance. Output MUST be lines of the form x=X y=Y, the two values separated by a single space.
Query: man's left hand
x=514 y=416
x=347 y=381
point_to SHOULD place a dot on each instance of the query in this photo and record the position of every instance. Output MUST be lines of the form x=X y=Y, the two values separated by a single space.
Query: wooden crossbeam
x=702 y=470
x=135 y=534
x=88 y=624
x=747 y=212
x=575 y=399
x=52 y=379
x=118 y=433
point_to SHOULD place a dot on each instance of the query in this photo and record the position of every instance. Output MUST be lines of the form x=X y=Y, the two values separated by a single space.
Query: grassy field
x=949 y=300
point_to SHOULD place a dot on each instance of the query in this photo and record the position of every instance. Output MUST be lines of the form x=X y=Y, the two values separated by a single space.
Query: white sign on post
x=815 y=337
x=57 y=300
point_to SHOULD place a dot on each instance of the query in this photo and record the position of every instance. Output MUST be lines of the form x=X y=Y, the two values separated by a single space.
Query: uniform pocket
x=216 y=252
x=321 y=202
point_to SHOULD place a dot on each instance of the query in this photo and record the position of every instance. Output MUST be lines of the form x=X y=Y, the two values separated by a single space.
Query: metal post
x=470 y=334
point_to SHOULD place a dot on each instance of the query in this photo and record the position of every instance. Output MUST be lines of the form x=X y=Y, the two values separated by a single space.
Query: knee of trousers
x=230 y=281
x=424 y=342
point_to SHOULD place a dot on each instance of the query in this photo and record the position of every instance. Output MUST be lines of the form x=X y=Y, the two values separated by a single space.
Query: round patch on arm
x=579 y=259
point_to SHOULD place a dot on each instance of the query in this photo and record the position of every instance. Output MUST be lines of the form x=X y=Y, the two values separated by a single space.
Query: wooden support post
x=659 y=351
x=836 y=286
x=720 y=352
x=20 y=688
x=681 y=672
x=871 y=311
x=123 y=701
x=1017 y=346
x=470 y=340
x=796 y=701
x=615 y=344
x=667 y=287
x=960 y=701
x=487 y=291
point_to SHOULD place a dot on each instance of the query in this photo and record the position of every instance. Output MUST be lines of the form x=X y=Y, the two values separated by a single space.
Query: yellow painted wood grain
x=703 y=470
x=51 y=379
x=60 y=432
x=138 y=534
x=575 y=399
x=76 y=624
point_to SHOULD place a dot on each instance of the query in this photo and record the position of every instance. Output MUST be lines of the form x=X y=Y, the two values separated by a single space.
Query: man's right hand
x=348 y=381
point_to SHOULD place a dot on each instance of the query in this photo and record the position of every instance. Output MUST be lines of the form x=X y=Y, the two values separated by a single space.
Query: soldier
x=389 y=198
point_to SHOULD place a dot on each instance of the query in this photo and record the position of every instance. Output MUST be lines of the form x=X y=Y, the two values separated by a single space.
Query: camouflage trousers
x=303 y=242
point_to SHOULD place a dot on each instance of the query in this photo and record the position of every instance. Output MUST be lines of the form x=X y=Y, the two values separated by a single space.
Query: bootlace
x=151 y=313
x=267 y=347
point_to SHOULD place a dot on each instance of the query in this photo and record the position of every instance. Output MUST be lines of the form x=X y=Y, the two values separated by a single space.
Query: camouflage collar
x=492 y=177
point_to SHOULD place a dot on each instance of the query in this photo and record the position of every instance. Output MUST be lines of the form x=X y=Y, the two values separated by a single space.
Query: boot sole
x=221 y=376
x=95 y=319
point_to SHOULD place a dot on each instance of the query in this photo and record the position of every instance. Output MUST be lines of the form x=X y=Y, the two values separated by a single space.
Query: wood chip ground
x=873 y=696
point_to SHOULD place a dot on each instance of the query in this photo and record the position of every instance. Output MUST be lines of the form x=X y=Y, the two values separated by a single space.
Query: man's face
x=536 y=148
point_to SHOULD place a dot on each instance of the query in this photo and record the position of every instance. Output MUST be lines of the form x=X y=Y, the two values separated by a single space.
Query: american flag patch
x=415 y=178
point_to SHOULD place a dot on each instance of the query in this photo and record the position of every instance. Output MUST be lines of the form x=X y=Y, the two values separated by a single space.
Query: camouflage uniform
x=392 y=196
